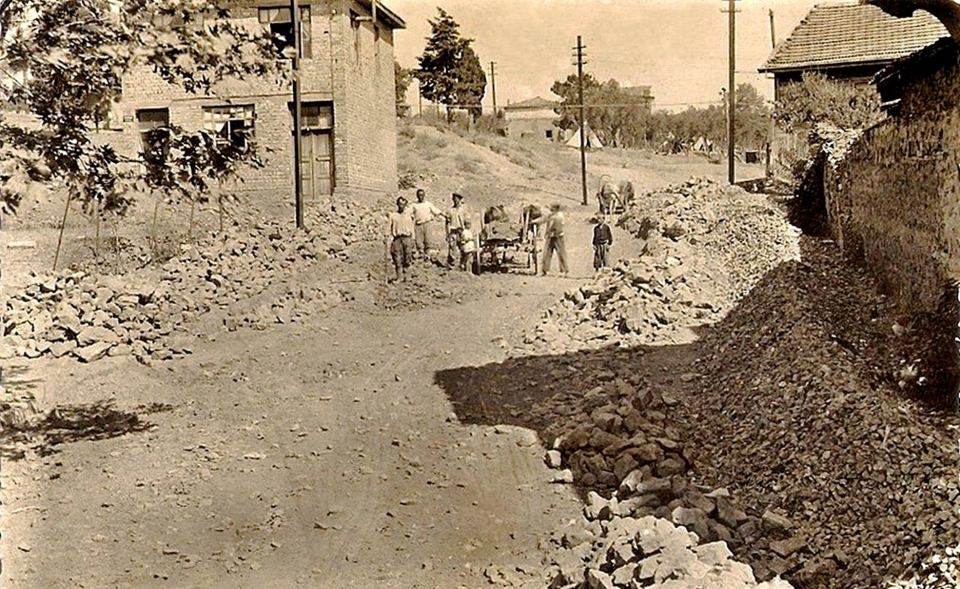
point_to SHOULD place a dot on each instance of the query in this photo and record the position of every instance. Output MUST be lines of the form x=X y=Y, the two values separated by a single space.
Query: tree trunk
x=63 y=223
x=96 y=231
x=116 y=243
x=153 y=225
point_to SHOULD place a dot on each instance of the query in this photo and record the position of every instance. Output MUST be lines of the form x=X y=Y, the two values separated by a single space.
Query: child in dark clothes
x=602 y=240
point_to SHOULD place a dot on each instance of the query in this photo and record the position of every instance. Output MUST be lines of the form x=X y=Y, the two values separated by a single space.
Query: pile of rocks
x=743 y=235
x=798 y=408
x=707 y=244
x=248 y=274
x=621 y=444
x=615 y=549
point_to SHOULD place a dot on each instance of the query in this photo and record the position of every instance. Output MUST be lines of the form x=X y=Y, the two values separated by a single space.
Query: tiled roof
x=833 y=35
x=532 y=104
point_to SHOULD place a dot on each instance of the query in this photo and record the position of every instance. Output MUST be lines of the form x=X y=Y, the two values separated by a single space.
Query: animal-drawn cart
x=611 y=198
x=506 y=245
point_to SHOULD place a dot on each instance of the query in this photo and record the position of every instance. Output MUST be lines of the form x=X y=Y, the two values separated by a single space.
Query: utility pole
x=732 y=91
x=583 y=138
x=771 y=134
x=493 y=86
x=297 y=108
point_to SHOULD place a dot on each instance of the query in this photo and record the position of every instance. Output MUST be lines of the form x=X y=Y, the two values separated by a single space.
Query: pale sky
x=679 y=47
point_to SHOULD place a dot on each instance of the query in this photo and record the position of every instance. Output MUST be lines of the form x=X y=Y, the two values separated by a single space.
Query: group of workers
x=413 y=226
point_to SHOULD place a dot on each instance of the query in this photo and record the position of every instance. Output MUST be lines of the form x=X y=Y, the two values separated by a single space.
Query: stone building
x=349 y=118
x=533 y=119
x=894 y=199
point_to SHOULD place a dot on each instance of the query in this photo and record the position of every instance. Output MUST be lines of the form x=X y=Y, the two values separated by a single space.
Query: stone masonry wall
x=362 y=93
x=895 y=198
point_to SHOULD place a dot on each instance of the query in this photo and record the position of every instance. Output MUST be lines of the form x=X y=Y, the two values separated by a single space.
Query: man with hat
x=456 y=218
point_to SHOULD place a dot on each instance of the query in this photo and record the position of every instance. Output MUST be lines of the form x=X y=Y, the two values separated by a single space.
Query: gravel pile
x=249 y=274
x=707 y=244
x=800 y=408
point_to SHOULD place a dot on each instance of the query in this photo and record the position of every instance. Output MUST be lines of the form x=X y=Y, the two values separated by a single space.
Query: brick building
x=349 y=119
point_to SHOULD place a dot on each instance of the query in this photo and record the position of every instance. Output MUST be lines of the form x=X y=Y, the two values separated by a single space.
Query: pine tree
x=450 y=70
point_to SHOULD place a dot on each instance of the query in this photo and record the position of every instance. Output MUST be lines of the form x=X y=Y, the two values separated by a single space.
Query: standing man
x=456 y=218
x=401 y=239
x=423 y=215
x=553 y=236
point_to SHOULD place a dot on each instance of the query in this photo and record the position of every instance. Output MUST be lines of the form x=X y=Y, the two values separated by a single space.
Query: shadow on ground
x=787 y=400
x=73 y=423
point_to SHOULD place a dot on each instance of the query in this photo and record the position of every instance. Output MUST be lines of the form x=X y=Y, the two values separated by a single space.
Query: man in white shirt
x=401 y=236
x=424 y=214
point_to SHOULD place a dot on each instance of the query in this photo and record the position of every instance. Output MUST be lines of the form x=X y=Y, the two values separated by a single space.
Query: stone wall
x=894 y=200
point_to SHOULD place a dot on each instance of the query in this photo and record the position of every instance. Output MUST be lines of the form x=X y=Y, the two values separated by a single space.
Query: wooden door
x=316 y=163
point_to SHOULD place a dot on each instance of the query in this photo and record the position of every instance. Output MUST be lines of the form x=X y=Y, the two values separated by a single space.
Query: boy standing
x=602 y=240
x=401 y=239
x=467 y=247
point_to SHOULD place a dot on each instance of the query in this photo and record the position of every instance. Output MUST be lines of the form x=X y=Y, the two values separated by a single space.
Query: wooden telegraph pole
x=297 y=108
x=583 y=139
x=731 y=90
x=493 y=86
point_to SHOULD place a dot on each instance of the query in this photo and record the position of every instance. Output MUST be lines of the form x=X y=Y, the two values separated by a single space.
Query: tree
x=449 y=67
x=753 y=117
x=472 y=83
x=402 y=78
x=73 y=56
x=618 y=116
x=817 y=99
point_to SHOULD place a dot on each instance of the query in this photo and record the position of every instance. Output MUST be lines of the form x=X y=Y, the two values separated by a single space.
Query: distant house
x=850 y=42
x=533 y=118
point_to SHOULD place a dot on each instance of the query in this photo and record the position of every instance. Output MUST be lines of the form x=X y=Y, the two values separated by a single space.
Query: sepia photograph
x=476 y=294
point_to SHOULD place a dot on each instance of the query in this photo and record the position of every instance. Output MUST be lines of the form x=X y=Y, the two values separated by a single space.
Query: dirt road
x=317 y=455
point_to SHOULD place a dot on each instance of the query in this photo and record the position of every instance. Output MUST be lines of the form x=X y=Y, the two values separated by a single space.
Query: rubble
x=636 y=470
x=800 y=413
x=706 y=245
x=248 y=274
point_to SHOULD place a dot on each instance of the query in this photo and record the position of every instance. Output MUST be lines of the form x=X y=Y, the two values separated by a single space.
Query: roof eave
x=793 y=68
x=389 y=17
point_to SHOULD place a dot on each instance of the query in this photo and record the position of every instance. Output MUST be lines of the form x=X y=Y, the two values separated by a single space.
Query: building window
x=153 y=125
x=278 y=21
x=549 y=133
x=230 y=123
x=316 y=117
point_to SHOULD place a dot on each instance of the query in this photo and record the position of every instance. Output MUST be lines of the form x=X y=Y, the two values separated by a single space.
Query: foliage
x=450 y=72
x=622 y=117
x=73 y=56
x=817 y=99
x=618 y=116
x=472 y=82
x=402 y=78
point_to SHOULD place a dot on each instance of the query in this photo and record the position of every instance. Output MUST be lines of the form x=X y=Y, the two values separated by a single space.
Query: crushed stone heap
x=707 y=244
x=250 y=274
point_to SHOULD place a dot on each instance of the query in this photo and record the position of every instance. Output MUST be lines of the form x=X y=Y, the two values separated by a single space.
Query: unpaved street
x=319 y=455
